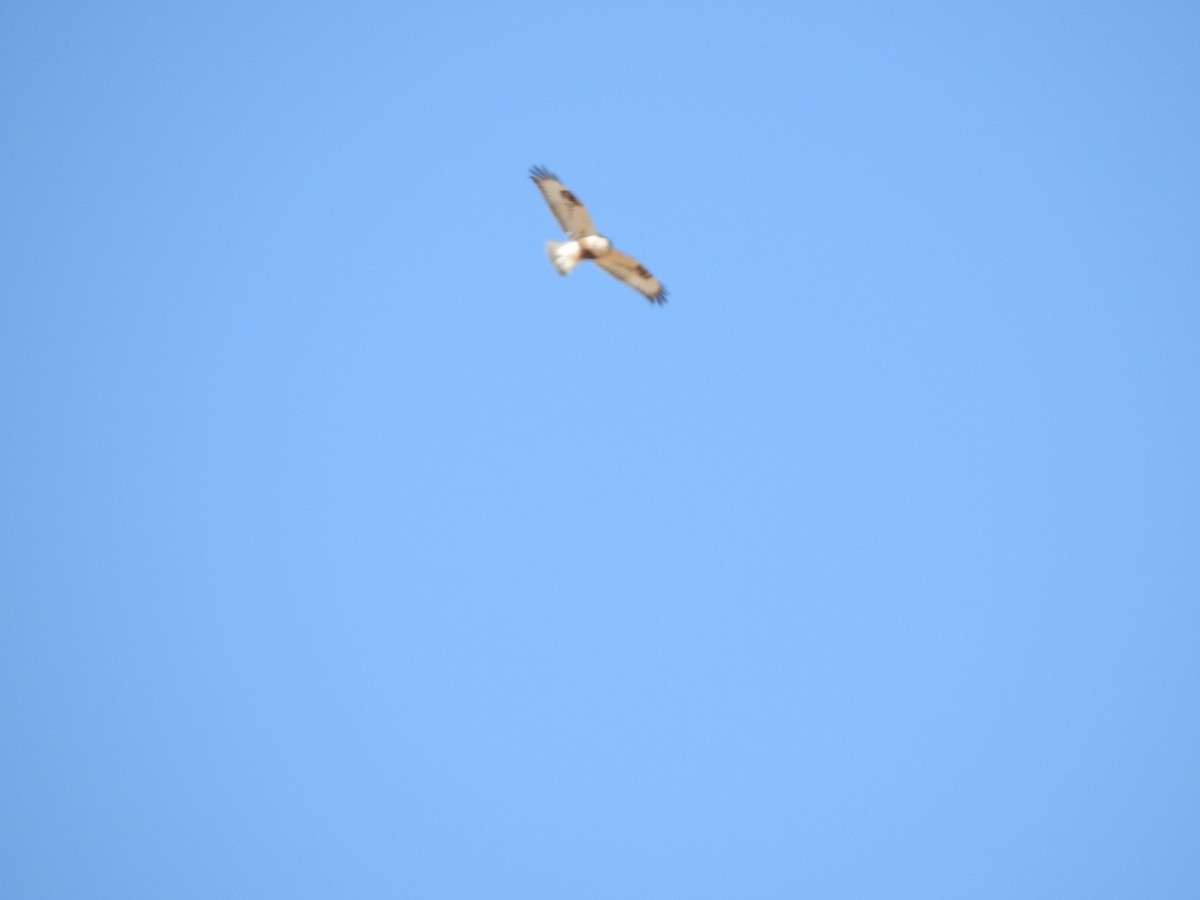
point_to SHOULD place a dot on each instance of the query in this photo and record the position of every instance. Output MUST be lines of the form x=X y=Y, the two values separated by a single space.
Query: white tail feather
x=565 y=256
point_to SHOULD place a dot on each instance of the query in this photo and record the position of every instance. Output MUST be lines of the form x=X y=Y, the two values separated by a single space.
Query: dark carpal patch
x=570 y=198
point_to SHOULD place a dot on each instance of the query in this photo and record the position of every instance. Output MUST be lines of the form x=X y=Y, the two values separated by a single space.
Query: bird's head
x=597 y=243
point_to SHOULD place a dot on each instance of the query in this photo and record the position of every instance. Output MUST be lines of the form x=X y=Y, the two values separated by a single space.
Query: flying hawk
x=585 y=243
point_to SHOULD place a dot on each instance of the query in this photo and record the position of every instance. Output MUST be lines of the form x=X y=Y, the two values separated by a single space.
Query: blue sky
x=349 y=551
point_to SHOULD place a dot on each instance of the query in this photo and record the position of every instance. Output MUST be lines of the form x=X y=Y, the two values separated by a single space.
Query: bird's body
x=566 y=255
x=584 y=243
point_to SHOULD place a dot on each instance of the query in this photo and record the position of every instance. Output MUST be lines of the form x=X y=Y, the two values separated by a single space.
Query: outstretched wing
x=634 y=274
x=572 y=215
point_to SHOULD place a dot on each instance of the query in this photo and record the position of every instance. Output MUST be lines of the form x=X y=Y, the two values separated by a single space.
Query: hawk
x=585 y=243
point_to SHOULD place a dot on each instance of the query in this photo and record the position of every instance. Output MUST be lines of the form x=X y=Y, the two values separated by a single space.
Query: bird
x=585 y=243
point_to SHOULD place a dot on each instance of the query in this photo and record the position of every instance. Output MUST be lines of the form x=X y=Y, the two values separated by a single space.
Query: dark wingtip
x=541 y=173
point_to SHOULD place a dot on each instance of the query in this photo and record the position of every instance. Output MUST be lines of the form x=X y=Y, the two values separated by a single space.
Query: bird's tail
x=565 y=256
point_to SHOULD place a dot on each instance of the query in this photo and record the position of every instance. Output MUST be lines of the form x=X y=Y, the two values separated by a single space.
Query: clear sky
x=349 y=551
